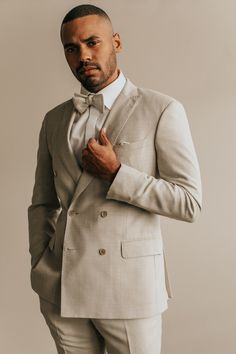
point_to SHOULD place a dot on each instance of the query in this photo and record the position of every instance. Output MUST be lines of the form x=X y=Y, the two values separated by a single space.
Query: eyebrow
x=71 y=44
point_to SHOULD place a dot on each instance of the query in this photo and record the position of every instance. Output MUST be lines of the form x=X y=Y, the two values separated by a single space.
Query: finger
x=87 y=155
x=95 y=149
x=92 y=142
x=103 y=137
x=92 y=145
x=85 y=152
x=88 y=158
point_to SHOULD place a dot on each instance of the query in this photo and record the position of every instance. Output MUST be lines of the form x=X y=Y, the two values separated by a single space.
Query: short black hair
x=84 y=10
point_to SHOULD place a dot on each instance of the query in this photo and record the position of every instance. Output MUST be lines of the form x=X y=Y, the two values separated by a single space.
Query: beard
x=98 y=80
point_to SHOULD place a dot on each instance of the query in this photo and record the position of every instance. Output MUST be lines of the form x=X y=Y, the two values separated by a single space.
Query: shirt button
x=102 y=251
x=103 y=213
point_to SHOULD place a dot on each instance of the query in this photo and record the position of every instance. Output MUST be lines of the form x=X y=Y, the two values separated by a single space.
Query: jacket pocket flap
x=141 y=248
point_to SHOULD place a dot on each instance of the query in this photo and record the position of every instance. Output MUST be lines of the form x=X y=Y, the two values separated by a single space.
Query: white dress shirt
x=88 y=124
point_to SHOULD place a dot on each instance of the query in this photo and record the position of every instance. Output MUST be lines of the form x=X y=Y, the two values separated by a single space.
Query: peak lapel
x=121 y=111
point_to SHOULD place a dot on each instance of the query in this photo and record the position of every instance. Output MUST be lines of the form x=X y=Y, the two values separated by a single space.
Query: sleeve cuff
x=124 y=185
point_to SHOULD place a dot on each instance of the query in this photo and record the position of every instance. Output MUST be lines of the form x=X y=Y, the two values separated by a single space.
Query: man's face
x=90 y=49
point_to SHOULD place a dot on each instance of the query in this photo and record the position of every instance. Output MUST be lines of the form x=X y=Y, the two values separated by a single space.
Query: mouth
x=87 y=70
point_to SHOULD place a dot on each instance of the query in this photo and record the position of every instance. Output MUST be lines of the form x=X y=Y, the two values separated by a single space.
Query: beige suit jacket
x=97 y=247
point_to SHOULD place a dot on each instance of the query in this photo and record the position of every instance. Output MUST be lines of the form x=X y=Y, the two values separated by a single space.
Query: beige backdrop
x=185 y=48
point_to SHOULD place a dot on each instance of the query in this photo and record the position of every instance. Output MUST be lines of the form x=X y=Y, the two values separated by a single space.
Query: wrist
x=113 y=174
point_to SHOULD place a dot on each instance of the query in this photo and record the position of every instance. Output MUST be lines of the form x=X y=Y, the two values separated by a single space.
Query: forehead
x=85 y=27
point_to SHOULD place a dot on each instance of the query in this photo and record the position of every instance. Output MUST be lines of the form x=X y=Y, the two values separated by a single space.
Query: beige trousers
x=101 y=336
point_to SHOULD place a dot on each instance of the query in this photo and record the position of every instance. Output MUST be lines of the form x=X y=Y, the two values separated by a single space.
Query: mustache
x=87 y=65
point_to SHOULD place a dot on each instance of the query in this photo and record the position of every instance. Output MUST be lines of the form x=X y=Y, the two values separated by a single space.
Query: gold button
x=102 y=251
x=103 y=213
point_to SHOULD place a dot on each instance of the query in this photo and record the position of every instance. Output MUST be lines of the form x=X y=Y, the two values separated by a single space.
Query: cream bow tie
x=82 y=102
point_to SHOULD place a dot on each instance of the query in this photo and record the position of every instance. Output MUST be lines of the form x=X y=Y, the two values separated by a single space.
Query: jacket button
x=102 y=251
x=55 y=173
x=103 y=213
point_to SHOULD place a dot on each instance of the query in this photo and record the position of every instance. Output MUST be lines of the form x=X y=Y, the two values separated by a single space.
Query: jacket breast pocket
x=124 y=145
x=138 y=154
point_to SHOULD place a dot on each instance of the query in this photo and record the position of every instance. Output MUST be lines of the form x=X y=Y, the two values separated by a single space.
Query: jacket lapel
x=114 y=123
x=64 y=149
x=121 y=111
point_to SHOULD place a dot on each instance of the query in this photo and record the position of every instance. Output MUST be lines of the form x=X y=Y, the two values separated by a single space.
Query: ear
x=117 y=42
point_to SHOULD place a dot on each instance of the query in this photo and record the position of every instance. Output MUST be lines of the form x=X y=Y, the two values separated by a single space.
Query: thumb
x=103 y=137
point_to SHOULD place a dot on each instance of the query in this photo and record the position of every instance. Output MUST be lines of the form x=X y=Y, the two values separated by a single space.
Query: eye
x=92 y=43
x=71 y=50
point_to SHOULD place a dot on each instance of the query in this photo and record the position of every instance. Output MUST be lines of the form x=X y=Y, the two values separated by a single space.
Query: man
x=110 y=162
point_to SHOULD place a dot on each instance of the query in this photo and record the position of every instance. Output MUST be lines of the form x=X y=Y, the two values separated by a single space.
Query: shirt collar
x=110 y=92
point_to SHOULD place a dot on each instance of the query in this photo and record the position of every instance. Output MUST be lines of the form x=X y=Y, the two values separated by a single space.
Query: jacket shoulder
x=57 y=111
x=54 y=118
x=158 y=101
x=156 y=96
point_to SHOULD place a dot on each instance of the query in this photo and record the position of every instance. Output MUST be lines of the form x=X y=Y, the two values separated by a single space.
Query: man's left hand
x=99 y=158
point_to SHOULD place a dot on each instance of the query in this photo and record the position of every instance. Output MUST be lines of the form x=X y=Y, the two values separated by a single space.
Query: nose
x=85 y=54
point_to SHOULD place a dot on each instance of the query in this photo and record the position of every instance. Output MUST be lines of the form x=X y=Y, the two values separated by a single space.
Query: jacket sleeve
x=175 y=191
x=45 y=207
